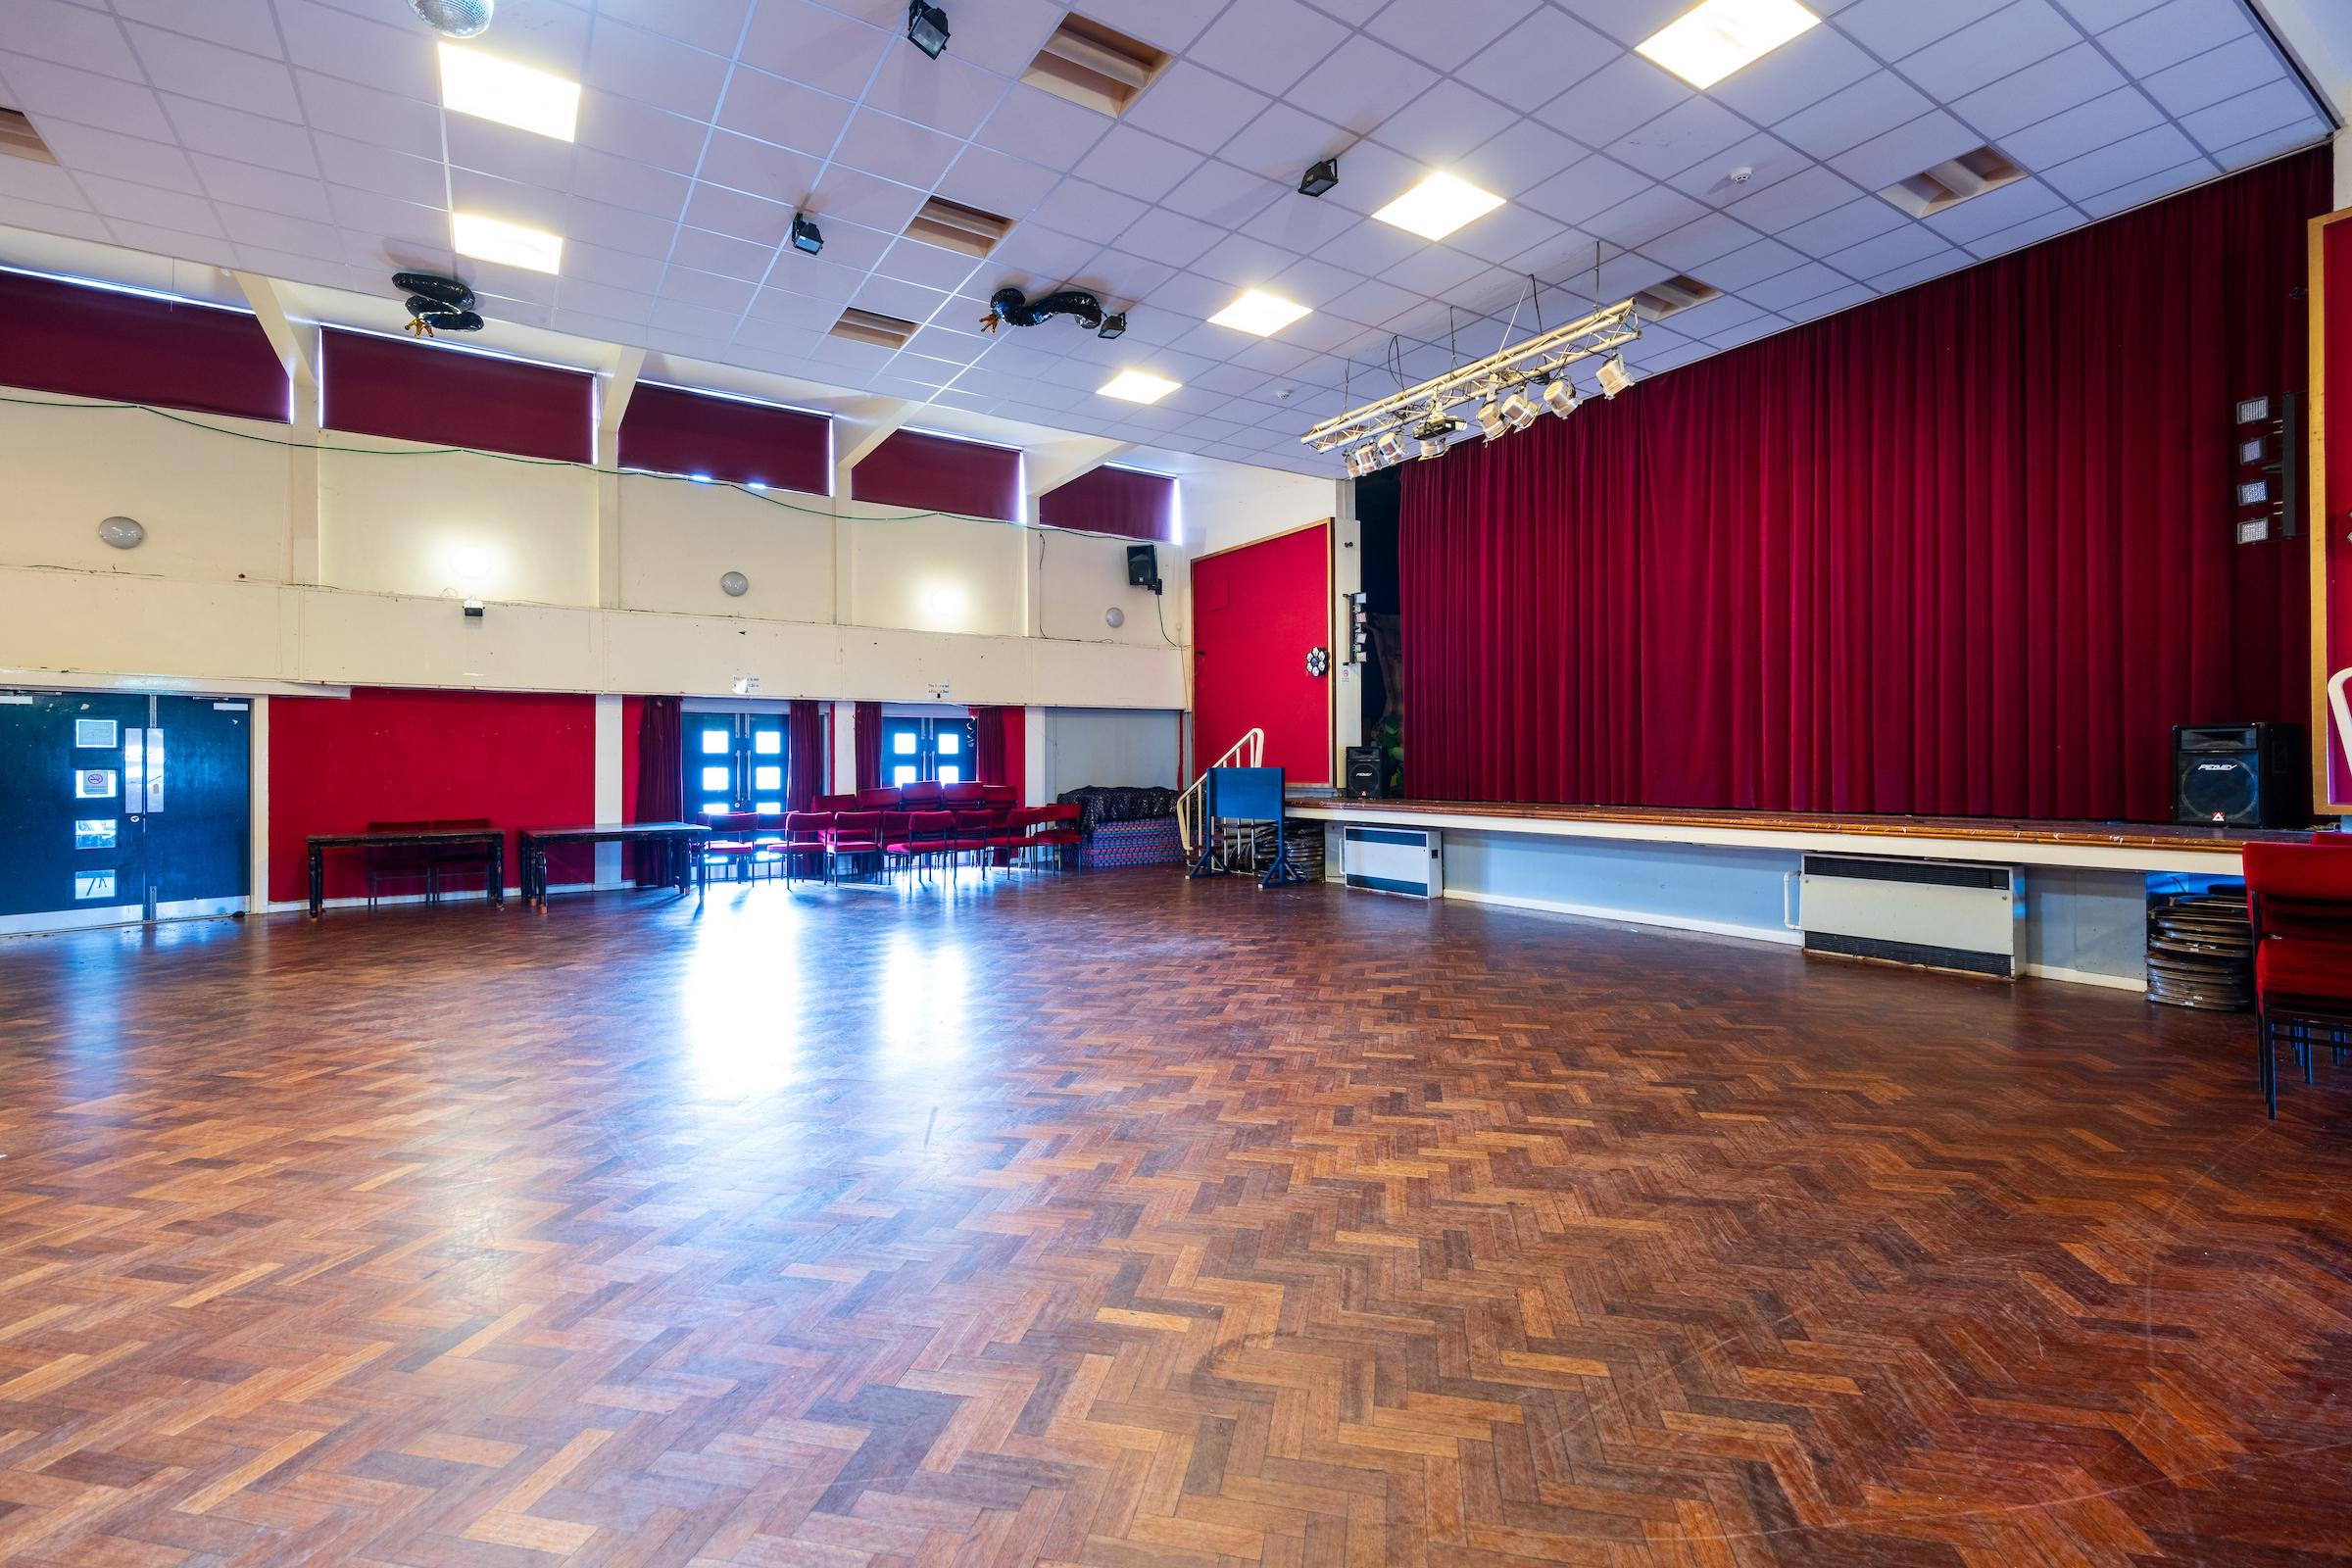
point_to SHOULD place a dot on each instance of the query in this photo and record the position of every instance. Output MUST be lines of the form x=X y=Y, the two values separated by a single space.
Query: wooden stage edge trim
x=2113 y=846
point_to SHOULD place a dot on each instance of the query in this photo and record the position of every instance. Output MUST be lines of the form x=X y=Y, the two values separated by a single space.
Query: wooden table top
x=437 y=835
x=2008 y=830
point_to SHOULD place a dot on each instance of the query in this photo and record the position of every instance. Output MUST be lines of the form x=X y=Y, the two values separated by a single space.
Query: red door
x=1257 y=611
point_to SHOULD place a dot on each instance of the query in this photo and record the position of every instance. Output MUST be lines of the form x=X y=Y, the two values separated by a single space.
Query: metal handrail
x=1248 y=752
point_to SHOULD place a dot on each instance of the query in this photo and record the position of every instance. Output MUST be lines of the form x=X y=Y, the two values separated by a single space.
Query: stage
x=1727 y=872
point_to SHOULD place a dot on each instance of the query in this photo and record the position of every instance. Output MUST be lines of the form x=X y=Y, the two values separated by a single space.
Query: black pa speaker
x=2238 y=775
x=1143 y=568
x=1364 y=775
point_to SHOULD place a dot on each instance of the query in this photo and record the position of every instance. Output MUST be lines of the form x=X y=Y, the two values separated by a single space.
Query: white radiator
x=1943 y=914
x=1393 y=859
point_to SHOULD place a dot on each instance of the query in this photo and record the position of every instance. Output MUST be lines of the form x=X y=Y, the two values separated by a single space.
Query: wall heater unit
x=1943 y=914
x=1393 y=859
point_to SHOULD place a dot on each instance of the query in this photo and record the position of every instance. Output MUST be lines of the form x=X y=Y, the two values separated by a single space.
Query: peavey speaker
x=2238 y=775
x=1364 y=773
x=1143 y=568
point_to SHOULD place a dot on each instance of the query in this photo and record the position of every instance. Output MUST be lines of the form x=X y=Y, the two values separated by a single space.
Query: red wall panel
x=933 y=473
x=1121 y=500
x=1257 y=611
x=124 y=348
x=521 y=759
x=2334 y=638
x=442 y=397
x=668 y=429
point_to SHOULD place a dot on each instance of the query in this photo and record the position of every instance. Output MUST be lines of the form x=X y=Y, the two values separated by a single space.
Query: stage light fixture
x=1519 y=411
x=1490 y=419
x=1614 y=377
x=1390 y=447
x=805 y=235
x=1113 y=326
x=1319 y=180
x=1559 y=397
x=926 y=28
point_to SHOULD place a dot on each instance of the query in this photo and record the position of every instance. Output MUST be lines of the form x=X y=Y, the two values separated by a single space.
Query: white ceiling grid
x=304 y=139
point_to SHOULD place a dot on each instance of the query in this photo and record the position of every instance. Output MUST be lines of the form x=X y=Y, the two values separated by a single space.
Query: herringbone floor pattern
x=1119 y=1220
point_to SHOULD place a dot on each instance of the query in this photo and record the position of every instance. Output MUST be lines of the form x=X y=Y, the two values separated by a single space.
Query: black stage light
x=1112 y=325
x=805 y=235
x=926 y=28
x=1320 y=178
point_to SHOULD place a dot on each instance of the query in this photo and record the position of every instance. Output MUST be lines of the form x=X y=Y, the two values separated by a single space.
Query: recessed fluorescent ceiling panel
x=1259 y=313
x=1437 y=206
x=482 y=85
x=1707 y=45
x=1138 y=387
x=487 y=239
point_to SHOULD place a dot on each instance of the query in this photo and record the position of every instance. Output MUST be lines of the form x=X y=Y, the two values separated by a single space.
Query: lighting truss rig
x=1378 y=432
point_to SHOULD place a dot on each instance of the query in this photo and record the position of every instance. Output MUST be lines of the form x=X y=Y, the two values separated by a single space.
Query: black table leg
x=318 y=882
x=498 y=873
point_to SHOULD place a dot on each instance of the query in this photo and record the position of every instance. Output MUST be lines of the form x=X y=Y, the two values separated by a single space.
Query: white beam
x=613 y=388
x=858 y=428
x=1050 y=469
x=296 y=344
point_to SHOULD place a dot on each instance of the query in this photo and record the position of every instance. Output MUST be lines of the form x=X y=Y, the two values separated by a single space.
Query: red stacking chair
x=961 y=797
x=732 y=843
x=1010 y=837
x=2299 y=898
x=927 y=836
x=857 y=835
x=1057 y=832
x=831 y=804
x=922 y=795
x=1000 y=799
x=805 y=838
x=883 y=798
x=972 y=830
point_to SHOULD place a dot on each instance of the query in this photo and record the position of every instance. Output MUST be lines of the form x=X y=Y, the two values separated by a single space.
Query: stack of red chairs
x=911 y=826
x=2299 y=898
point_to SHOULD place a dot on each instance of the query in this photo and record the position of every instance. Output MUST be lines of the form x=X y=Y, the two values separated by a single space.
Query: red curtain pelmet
x=1967 y=549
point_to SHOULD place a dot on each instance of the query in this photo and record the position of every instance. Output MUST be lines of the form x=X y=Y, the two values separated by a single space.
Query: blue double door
x=123 y=807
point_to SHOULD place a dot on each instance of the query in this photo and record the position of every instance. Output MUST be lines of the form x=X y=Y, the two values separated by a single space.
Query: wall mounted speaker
x=1143 y=568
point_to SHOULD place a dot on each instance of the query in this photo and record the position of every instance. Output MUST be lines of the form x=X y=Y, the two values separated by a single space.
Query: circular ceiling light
x=1114 y=617
x=460 y=18
x=735 y=585
x=124 y=533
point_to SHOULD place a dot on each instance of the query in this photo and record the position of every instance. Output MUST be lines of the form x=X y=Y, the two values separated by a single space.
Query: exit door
x=734 y=762
x=121 y=808
x=938 y=749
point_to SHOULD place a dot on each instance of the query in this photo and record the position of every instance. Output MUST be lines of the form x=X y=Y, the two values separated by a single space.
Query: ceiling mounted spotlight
x=926 y=28
x=1559 y=397
x=805 y=235
x=1490 y=419
x=1390 y=447
x=1113 y=325
x=124 y=533
x=1614 y=377
x=460 y=18
x=1436 y=428
x=1431 y=449
x=1519 y=411
x=1319 y=180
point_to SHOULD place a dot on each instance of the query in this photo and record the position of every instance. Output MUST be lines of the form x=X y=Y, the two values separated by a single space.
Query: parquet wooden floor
x=1119 y=1220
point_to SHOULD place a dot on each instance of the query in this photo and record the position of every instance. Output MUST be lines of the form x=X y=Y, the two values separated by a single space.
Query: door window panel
x=93 y=885
x=768 y=742
x=714 y=742
x=94 y=833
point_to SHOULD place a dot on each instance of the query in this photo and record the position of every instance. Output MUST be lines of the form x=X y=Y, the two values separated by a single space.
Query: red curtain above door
x=1967 y=549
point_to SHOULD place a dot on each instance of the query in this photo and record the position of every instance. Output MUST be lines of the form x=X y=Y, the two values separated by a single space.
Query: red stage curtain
x=1967 y=549
x=868 y=739
x=803 y=755
x=660 y=792
x=999 y=745
x=1107 y=499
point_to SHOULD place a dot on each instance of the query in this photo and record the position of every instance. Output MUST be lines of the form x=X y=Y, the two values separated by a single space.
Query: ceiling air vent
x=871 y=326
x=1096 y=67
x=954 y=227
x=1677 y=293
x=18 y=139
x=1952 y=182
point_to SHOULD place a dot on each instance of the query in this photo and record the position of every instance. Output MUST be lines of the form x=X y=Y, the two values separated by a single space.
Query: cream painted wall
x=999 y=613
x=1223 y=510
x=393 y=519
